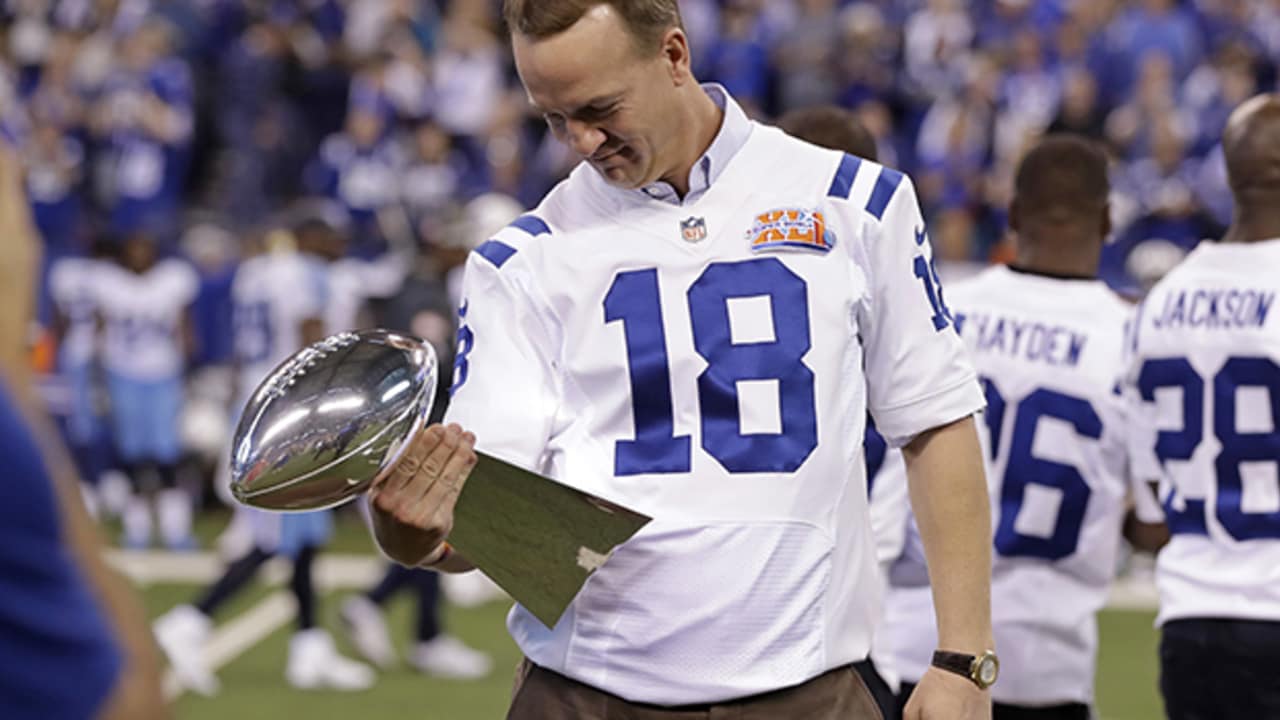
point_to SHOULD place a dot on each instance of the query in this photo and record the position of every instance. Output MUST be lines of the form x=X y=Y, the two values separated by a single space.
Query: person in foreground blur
x=73 y=638
x=694 y=325
x=1209 y=332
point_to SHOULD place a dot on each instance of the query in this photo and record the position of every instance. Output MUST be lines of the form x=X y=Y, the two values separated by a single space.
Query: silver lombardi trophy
x=327 y=423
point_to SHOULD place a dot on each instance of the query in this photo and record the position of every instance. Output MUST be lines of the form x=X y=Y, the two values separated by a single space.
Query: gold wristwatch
x=981 y=669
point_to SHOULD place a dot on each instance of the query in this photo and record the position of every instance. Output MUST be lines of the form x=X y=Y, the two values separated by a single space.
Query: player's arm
x=502 y=390
x=1144 y=522
x=955 y=525
x=923 y=393
x=1145 y=536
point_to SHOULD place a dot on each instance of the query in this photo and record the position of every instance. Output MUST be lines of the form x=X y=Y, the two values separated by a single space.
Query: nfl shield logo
x=693 y=229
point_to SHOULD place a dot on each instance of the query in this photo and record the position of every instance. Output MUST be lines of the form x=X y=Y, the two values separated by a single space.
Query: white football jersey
x=272 y=295
x=710 y=364
x=71 y=286
x=141 y=315
x=1050 y=353
x=1206 y=382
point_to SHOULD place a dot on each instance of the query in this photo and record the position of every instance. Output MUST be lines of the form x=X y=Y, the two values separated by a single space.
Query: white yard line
x=332 y=572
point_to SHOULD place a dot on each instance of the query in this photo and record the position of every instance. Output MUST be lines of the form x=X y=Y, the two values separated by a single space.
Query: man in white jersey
x=143 y=304
x=279 y=301
x=694 y=324
x=1207 y=427
x=1048 y=339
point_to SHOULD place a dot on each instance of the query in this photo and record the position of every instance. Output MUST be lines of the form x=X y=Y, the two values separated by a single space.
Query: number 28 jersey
x=710 y=365
x=1207 y=419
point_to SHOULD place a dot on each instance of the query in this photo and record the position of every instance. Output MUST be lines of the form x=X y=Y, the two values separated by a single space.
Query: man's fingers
x=420 y=447
x=433 y=463
x=441 y=497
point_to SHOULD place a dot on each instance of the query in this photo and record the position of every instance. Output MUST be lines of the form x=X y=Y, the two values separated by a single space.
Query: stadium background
x=209 y=125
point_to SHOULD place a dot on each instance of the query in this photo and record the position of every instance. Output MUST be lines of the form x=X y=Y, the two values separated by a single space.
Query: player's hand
x=419 y=494
x=943 y=695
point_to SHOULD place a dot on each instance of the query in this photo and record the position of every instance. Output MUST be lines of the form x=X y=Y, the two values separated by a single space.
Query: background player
x=143 y=306
x=280 y=300
x=1047 y=338
x=1207 y=421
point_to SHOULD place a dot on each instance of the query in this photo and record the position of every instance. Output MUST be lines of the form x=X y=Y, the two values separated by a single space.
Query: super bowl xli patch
x=791 y=228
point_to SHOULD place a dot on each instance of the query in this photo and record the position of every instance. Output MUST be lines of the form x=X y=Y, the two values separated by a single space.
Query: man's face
x=610 y=102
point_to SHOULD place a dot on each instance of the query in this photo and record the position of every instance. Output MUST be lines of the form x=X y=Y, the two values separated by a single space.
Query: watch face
x=987 y=670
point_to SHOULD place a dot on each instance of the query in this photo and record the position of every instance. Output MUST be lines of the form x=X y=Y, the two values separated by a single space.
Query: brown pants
x=840 y=694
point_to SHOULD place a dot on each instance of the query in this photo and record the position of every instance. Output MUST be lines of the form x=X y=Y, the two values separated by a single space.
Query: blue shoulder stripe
x=842 y=183
x=495 y=251
x=882 y=193
x=531 y=224
x=498 y=252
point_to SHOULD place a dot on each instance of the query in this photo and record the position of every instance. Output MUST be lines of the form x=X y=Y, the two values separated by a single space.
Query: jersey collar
x=733 y=134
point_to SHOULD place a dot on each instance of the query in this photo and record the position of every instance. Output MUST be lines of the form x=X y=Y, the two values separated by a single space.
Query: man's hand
x=413 y=504
x=943 y=695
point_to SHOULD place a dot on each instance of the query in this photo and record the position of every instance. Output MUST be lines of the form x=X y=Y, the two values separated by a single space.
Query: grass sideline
x=253 y=684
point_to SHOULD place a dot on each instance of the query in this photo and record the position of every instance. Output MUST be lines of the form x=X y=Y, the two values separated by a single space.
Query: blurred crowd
x=192 y=134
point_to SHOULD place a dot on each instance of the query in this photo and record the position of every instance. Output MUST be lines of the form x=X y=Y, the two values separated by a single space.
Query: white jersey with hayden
x=1050 y=353
x=272 y=295
x=711 y=364
x=141 y=314
x=1206 y=386
x=71 y=287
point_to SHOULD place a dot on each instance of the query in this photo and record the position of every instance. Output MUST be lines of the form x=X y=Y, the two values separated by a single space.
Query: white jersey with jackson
x=141 y=314
x=272 y=295
x=1050 y=353
x=1206 y=385
x=711 y=364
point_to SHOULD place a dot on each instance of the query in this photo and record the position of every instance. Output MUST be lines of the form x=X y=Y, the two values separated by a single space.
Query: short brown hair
x=830 y=127
x=1063 y=176
x=646 y=20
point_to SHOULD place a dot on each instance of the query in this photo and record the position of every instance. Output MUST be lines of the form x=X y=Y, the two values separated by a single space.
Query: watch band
x=958 y=663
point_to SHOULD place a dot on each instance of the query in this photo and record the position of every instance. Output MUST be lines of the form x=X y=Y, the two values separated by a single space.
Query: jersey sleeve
x=918 y=376
x=504 y=374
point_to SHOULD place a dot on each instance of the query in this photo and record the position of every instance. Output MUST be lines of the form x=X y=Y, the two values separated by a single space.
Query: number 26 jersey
x=711 y=364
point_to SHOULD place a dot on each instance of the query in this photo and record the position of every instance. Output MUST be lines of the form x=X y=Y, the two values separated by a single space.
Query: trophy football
x=330 y=421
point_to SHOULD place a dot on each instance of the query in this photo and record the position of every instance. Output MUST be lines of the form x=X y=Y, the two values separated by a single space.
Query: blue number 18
x=634 y=300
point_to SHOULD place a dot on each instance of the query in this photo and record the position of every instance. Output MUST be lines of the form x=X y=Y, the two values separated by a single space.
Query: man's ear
x=675 y=53
x=1106 y=222
x=1015 y=208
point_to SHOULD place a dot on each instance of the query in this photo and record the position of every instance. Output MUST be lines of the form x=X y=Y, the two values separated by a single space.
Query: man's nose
x=584 y=139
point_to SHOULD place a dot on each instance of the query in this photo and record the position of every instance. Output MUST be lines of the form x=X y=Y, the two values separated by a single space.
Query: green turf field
x=253 y=684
